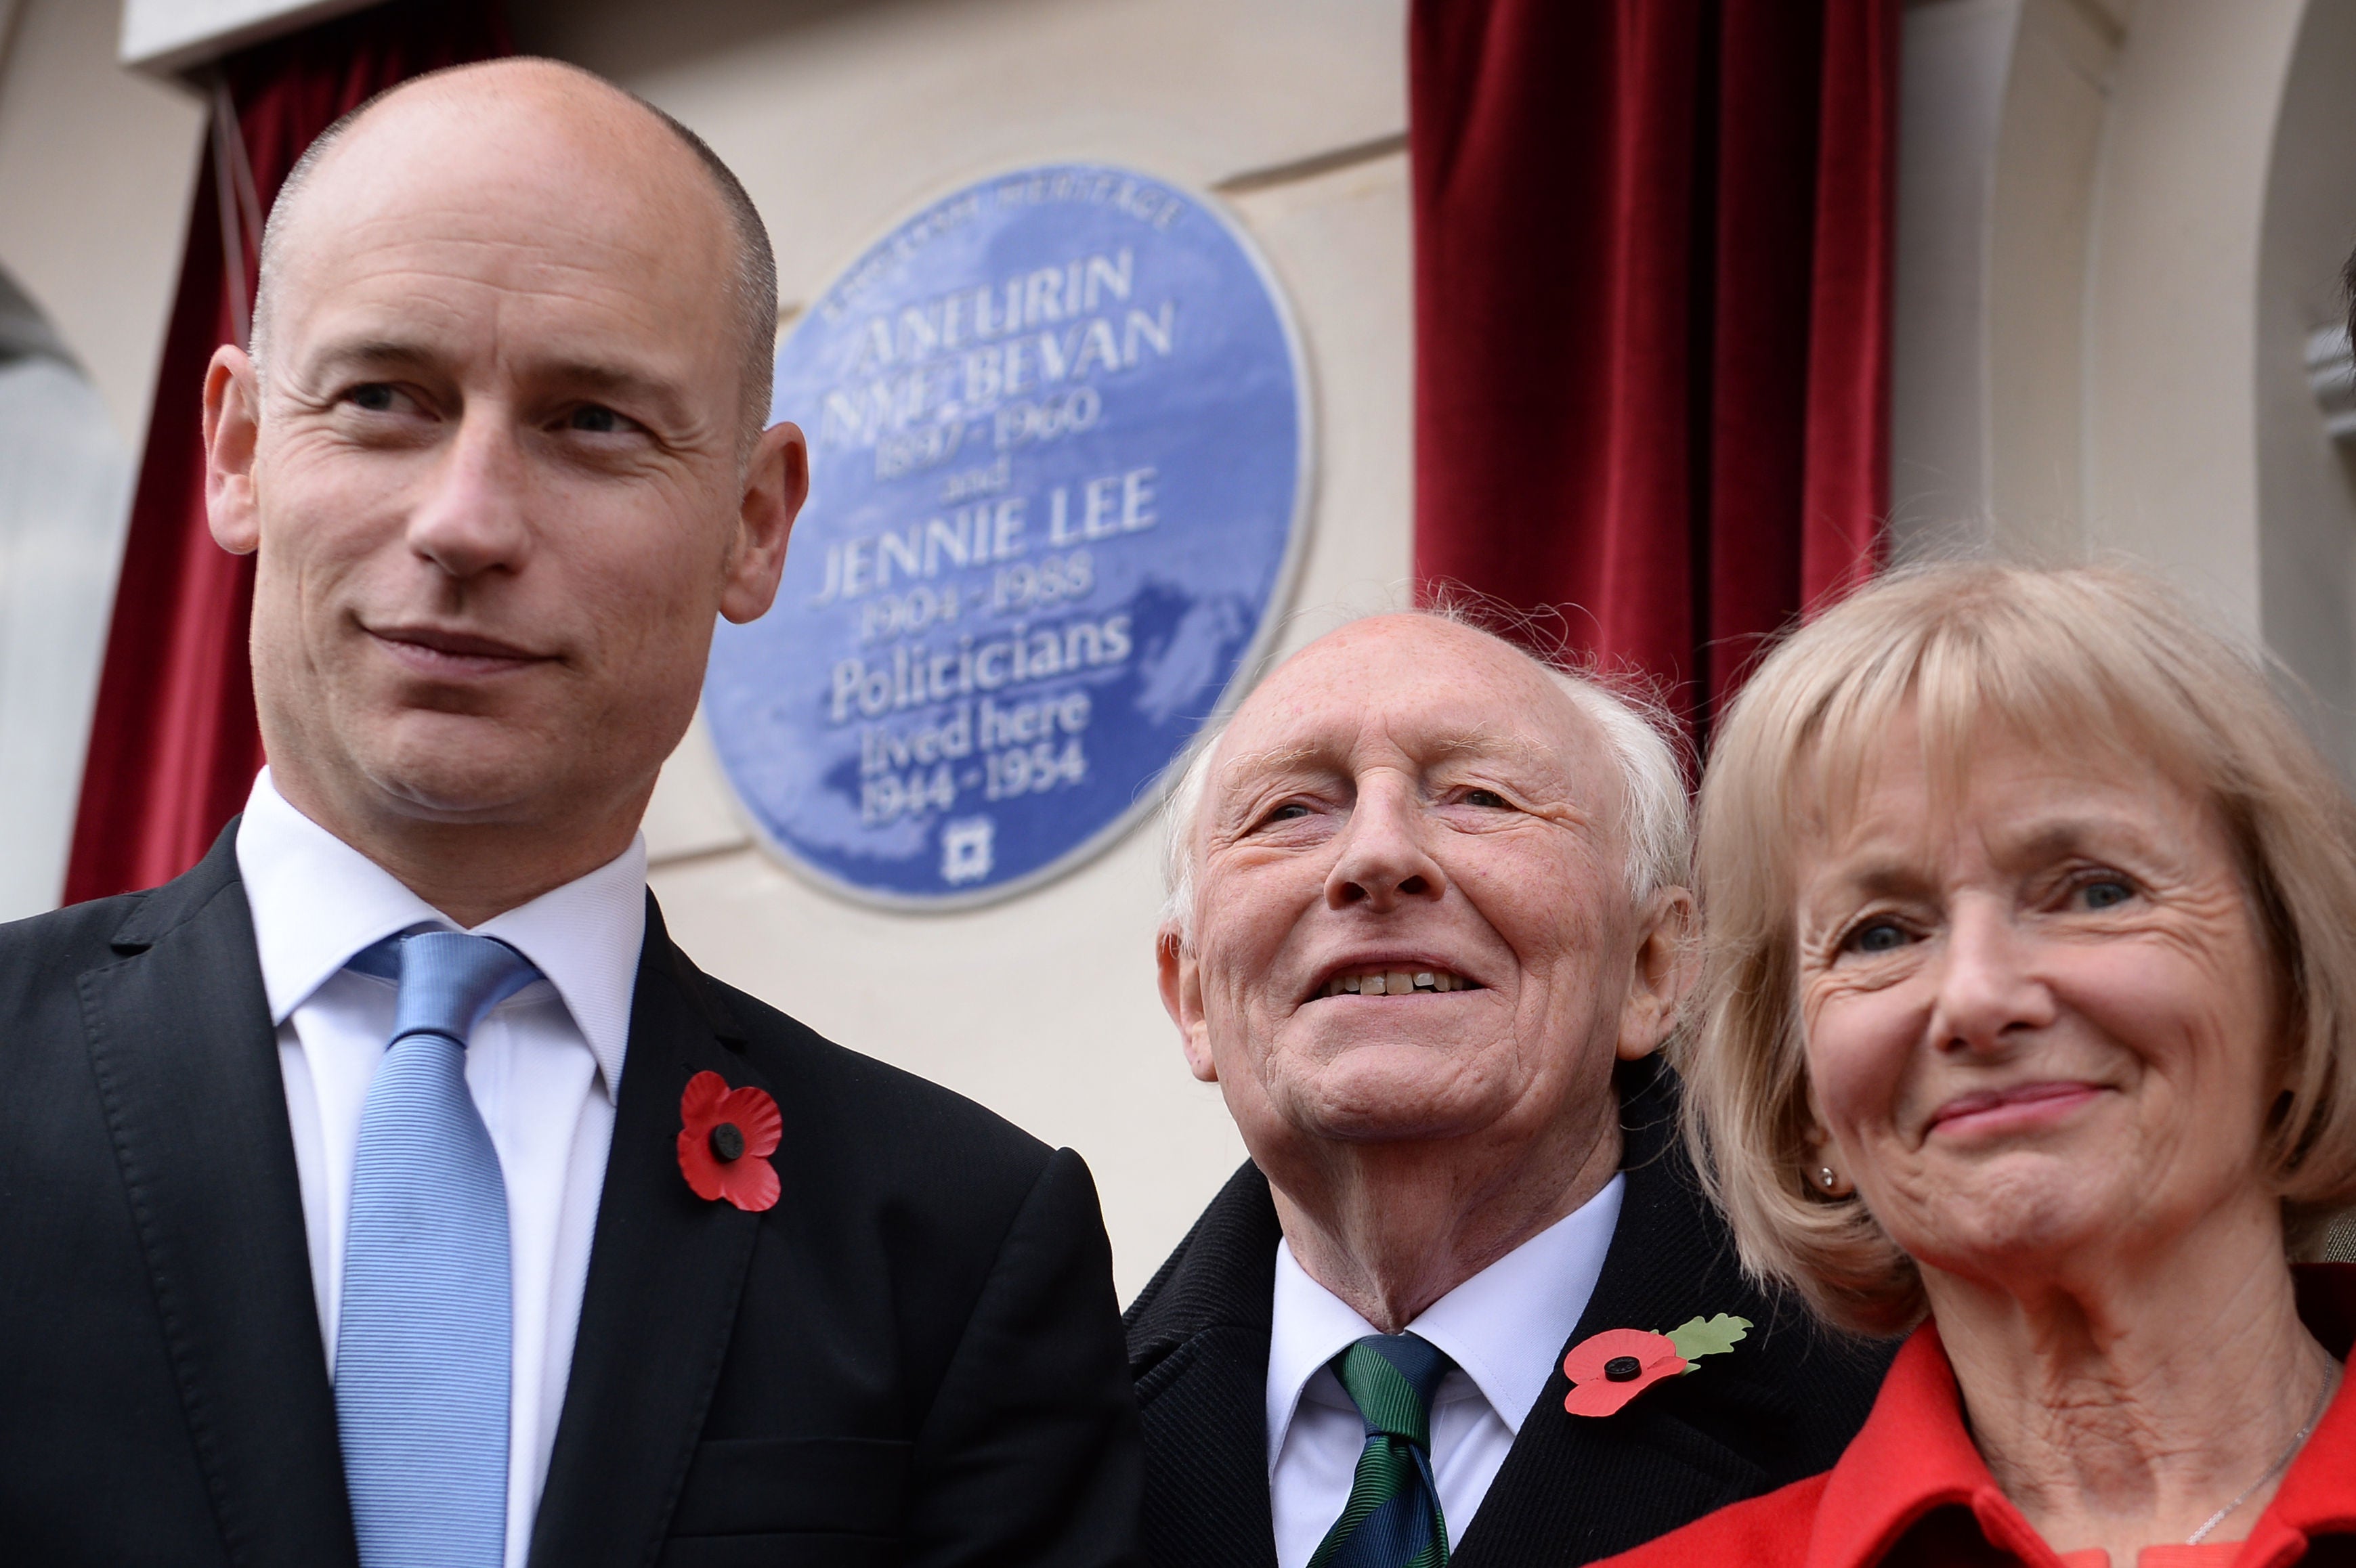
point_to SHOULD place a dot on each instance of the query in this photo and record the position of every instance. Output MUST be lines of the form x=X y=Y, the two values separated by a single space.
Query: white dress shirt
x=1505 y=1329
x=544 y=1068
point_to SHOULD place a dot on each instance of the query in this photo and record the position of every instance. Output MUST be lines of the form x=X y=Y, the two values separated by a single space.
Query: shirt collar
x=2315 y=1497
x=1915 y=1455
x=1310 y=1327
x=317 y=902
x=1912 y=1456
x=1502 y=1327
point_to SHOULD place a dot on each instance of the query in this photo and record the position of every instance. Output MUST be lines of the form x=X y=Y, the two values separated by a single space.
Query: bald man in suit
x=390 y=1189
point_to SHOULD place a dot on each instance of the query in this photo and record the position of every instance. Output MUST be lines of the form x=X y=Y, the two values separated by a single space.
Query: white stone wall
x=2119 y=222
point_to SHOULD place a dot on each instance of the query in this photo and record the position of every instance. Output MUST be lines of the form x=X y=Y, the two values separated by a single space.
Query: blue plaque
x=1059 y=461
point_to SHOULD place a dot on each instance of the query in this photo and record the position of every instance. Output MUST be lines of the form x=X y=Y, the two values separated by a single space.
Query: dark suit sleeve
x=1031 y=1453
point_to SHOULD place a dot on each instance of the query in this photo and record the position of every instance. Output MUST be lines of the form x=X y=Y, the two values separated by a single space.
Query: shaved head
x=606 y=119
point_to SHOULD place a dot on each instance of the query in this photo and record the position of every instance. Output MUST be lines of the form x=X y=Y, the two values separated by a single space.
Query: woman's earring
x=1825 y=1173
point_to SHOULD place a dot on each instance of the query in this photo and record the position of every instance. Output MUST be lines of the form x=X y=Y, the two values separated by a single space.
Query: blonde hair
x=2094 y=658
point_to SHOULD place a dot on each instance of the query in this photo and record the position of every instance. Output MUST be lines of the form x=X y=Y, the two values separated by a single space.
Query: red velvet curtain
x=174 y=744
x=1652 y=281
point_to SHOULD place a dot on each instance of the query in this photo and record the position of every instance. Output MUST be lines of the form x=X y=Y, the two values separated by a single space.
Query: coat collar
x=1678 y=1451
x=1223 y=1275
x=1915 y=1456
x=666 y=1274
x=316 y=901
x=180 y=1040
x=1198 y=1337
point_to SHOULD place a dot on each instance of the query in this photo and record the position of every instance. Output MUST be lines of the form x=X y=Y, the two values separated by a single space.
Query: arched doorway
x=64 y=487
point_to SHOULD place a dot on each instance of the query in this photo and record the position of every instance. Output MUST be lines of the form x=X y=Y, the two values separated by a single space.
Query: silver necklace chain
x=2330 y=1383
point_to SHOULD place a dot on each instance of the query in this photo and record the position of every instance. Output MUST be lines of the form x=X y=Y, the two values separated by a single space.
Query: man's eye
x=1487 y=797
x=596 y=419
x=376 y=396
x=1290 y=811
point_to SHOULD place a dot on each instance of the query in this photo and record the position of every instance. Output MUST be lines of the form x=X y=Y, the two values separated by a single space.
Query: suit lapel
x=187 y=1065
x=1199 y=1340
x=1574 y=1489
x=666 y=1272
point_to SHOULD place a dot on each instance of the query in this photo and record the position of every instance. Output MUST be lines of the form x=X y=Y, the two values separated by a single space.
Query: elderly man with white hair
x=1426 y=931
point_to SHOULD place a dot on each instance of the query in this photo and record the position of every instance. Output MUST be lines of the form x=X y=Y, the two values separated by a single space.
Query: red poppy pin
x=1608 y=1369
x=724 y=1142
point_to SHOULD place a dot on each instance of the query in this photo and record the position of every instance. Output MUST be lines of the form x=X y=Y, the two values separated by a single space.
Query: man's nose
x=470 y=517
x=1385 y=858
x=1989 y=995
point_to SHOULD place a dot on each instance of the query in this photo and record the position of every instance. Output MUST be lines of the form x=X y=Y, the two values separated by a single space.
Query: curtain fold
x=174 y=743
x=1653 y=270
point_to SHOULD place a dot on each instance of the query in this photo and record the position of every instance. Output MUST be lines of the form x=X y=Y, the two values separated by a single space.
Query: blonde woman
x=2031 y=1000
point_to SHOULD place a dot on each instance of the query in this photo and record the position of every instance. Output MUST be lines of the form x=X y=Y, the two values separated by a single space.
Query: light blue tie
x=422 y=1339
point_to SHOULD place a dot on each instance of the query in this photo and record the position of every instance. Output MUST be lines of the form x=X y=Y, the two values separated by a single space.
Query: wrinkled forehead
x=1413 y=693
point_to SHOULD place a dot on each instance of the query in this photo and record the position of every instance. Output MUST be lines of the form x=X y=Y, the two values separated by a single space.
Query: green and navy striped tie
x=1392 y=1520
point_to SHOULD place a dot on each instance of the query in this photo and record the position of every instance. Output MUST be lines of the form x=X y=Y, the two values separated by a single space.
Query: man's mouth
x=435 y=651
x=1389 y=980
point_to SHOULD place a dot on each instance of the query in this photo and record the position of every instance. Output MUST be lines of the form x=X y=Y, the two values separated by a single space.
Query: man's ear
x=776 y=486
x=1181 y=998
x=1660 y=973
x=233 y=428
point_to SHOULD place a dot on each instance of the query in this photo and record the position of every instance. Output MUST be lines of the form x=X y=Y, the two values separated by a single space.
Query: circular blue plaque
x=1059 y=460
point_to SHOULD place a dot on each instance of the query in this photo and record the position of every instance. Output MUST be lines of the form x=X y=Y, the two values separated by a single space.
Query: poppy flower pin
x=725 y=1140
x=1608 y=1369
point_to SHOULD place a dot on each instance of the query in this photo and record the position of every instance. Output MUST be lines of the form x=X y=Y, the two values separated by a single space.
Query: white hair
x=1656 y=812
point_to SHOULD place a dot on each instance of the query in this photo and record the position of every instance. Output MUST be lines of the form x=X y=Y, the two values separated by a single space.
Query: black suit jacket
x=915 y=1357
x=1781 y=1405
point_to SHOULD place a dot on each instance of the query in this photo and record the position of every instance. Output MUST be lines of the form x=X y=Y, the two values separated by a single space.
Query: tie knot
x=1391 y=1379
x=449 y=980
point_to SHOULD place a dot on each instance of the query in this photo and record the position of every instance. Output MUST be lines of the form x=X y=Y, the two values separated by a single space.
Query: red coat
x=1912 y=1491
